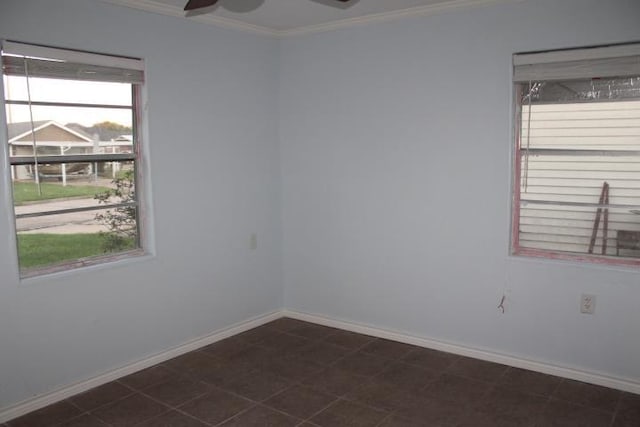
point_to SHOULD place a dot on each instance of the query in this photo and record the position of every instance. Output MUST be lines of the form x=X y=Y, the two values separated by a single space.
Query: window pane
x=70 y=91
x=564 y=228
x=56 y=239
x=579 y=178
x=582 y=126
x=83 y=182
x=580 y=168
x=49 y=239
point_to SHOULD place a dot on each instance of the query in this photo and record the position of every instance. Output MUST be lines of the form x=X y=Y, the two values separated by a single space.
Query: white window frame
x=98 y=67
x=570 y=64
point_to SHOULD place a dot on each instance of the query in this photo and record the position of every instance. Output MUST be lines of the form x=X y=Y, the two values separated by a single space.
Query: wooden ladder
x=604 y=200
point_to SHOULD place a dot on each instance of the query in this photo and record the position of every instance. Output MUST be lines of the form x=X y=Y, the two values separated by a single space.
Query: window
x=577 y=155
x=74 y=155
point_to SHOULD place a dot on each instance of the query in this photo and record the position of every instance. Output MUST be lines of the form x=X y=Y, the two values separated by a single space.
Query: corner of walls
x=395 y=144
x=213 y=91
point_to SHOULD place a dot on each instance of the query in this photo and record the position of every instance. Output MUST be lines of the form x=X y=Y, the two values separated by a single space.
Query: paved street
x=78 y=222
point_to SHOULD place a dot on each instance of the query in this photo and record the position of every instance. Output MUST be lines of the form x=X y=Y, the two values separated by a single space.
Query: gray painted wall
x=395 y=147
x=395 y=142
x=211 y=93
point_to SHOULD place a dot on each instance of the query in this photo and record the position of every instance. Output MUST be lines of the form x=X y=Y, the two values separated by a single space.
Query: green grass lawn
x=28 y=191
x=37 y=250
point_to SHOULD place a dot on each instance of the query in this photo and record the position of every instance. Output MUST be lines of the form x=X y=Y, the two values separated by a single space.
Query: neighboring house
x=104 y=131
x=122 y=144
x=53 y=138
x=583 y=146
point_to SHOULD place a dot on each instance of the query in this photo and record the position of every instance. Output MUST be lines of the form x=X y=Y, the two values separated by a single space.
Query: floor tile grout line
x=388 y=417
x=145 y=420
x=139 y=389
x=557 y=387
x=82 y=413
x=167 y=407
x=366 y=405
x=68 y=400
x=175 y=406
x=468 y=377
x=551 y=399
x=220 y=388
x=354 y=333
x=131 y=393
x=236 y=415
x=353 y=352
x=281 y=412
x=557 y=399
x=299 y=380
x=91 y=411
x=617 y=409
x=191 y=416
x=291 y=384
x=262 y=405
x=321 y=410
x=180 y=411
x=504 y=372
x=431 y=382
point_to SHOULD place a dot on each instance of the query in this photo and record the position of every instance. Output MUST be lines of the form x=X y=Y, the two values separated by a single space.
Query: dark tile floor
x=293 y=373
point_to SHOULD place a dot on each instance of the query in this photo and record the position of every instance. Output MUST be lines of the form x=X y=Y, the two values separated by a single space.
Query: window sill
x=89 y=265
x=535 y=255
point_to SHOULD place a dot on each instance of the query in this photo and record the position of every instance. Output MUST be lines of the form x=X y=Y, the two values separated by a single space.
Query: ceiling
x=287 y=17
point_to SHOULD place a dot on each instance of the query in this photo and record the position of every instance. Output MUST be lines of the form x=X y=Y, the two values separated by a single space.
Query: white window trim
x=143 y=184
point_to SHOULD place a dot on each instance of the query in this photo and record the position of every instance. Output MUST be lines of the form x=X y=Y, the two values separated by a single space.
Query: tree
x=104 y=130
x=111 y=126
x=121 y=221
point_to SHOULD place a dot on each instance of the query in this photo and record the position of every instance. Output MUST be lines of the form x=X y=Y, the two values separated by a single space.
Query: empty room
x=320 y=213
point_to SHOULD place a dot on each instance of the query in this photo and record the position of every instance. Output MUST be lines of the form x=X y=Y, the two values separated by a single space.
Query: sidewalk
x=72 y=223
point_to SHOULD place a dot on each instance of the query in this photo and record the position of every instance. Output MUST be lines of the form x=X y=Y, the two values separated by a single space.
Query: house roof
x=79 y=129
x=86 y=131
x=21 y=129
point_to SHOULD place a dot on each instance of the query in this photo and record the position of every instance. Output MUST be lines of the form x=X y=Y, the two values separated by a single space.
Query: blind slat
x=617 y=67
x=608 y=61
x=16 y=66
x=579 y=54
x=76 y=158
x=45 y=62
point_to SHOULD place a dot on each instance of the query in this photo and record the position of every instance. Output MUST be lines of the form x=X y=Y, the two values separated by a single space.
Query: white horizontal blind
x=38 y=61
x=568 y=151
x=611 y=61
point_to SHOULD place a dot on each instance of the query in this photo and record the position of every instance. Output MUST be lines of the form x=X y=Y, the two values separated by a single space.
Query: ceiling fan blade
x=199 y=4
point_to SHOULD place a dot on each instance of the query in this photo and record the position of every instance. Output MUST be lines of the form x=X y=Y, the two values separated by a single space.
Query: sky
x=71 y=91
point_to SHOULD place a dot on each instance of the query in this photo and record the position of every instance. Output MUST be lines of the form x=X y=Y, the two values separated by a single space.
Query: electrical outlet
x=587 y=304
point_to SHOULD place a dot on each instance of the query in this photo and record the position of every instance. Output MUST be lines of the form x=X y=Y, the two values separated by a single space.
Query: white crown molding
x=165 y=9
x=388 y=16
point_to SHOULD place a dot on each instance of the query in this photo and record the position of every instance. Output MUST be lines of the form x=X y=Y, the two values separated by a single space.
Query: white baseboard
x=41 y=401
x=477 y=353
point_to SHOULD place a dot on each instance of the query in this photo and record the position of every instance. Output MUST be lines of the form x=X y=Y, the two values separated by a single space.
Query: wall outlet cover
x=587 y=304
